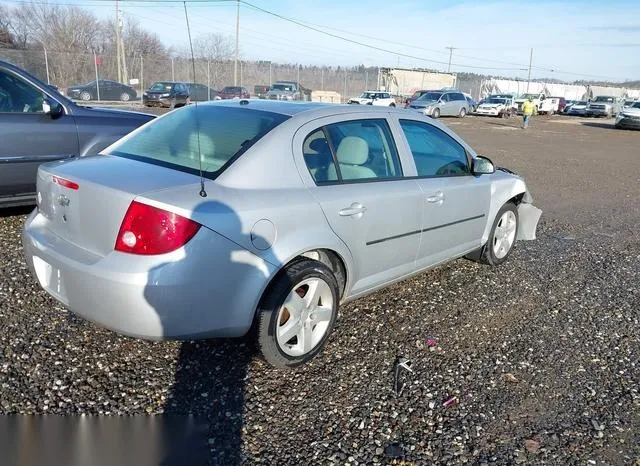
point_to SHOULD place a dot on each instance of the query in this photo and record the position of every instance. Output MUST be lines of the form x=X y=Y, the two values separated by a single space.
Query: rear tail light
x=148 y=230
x=66 y=183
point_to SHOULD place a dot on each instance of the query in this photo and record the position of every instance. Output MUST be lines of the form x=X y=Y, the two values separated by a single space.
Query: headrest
x=353 y=151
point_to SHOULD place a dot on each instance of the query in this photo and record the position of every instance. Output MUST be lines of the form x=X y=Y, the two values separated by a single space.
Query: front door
x=455 y=203
x=28 y=137
x=357 y=180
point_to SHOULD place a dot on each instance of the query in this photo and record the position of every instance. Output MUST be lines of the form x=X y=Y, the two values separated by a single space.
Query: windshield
x=604 y=99
x=282 y=87
x=496 y=101
x=368 y=95
x=529 y=96
x=635 y=105
x=160 y=87
x=173 y=141
x=231 y=89
x=430 y=96
x=582 y=102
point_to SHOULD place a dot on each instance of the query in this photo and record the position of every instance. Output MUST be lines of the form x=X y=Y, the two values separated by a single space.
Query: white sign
x=134 y=81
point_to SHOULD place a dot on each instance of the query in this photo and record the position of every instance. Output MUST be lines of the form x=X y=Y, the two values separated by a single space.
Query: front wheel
x=436 y=113
x=297 y=313
x=502 y=236
x=86 y=96
x=463 y=112
x=125 y=97
x=392 y=105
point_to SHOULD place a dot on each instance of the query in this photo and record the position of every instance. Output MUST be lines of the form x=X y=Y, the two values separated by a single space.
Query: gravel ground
x=541 y=353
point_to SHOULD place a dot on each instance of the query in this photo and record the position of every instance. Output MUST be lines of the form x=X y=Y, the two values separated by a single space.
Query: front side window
x=351 y=151
x=435 y=153
x=18 y=96
x=215 y=135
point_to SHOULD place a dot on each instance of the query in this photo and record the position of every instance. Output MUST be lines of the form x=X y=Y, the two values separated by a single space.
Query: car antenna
x=203 y=193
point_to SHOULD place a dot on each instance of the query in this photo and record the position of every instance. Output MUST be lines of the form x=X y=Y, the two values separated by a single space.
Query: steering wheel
x=452 y=168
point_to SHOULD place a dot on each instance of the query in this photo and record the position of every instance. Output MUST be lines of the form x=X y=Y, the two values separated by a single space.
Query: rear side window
x=174 y=140
x=458 y=97
x=351 y=151
x=435 y=153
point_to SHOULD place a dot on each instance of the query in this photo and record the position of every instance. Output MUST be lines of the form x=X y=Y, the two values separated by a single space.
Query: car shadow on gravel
x=16 y=211
x=598 y=125
x=210 y=374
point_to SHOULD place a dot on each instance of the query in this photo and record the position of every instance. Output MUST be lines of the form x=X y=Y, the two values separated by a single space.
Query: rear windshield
x=173 y=140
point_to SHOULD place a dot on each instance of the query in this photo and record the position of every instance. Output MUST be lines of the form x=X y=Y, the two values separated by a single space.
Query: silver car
x=220 y=217
x=442 y=103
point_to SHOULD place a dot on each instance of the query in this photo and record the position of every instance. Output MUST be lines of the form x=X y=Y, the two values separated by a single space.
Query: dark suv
x=38 y=124
x=166 y=94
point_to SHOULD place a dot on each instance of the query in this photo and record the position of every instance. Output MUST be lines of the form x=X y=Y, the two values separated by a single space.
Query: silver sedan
x=224 y=216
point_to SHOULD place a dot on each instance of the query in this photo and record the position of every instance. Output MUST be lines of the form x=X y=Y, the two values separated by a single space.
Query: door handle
x=437 y=198
x=354 y=209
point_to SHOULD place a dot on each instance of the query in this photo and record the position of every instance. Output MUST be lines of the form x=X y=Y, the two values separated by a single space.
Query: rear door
x=28 y=137
x=455 y=203
x=353 y=170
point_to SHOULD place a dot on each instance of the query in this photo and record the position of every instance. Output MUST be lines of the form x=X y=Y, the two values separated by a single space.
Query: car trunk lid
x=85 y=201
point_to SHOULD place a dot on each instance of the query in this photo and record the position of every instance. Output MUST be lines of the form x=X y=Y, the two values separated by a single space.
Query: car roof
x=319 y=109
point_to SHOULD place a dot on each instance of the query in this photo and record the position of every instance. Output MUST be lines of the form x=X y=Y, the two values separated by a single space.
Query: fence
x=67 y=69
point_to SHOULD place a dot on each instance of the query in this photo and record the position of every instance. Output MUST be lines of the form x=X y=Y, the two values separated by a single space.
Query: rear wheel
x=297 y=313
x=392 y=104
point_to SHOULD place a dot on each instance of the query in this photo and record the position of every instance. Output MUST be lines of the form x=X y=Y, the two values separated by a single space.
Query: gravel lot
x=541 y=354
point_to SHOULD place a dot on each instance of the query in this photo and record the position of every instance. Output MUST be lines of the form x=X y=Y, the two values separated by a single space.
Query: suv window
x=175 y=142
x=18 y=96
x=352 y=150
x=458 y=96
x=446 y=97
x=435 y=153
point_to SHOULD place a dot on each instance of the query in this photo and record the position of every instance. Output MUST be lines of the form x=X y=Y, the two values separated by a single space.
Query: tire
x=172 y=105
x=125 y=97
x=463 y=112
x=85 y=95
x=486 y=254
x=436 y=113
x=292 y=285
x=392 y=105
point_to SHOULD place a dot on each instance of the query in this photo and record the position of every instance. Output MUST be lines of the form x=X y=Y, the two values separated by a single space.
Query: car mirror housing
x=483 y=166
x=52 y=108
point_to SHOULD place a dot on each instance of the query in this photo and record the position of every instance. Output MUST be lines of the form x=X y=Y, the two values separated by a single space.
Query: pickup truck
x=542 y=104
x=606 y=106
x=38 y=124
x=287 y=90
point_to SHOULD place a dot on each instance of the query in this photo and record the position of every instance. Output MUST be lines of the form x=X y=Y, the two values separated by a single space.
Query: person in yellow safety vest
x=527 y=110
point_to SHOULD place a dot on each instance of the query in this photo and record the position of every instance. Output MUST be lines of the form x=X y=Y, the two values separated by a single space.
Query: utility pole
x=529 y=78
x=118 y=41
x=451 y=49
x=235 y=62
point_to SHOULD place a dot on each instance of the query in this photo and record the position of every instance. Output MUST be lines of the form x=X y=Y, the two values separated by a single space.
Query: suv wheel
x=436 y=113
x=297 y=313
x=463 y=112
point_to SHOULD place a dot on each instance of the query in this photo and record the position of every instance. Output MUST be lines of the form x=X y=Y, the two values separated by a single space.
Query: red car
x=234 y=92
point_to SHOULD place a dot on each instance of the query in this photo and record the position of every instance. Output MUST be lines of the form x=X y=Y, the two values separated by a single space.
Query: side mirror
x=52 y=108
x=482 y=166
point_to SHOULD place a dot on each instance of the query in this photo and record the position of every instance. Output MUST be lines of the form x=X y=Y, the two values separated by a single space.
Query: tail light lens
x=148 y=230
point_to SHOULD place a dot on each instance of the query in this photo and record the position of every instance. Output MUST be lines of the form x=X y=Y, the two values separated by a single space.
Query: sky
x=571 y=39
